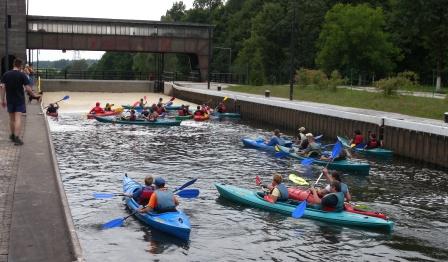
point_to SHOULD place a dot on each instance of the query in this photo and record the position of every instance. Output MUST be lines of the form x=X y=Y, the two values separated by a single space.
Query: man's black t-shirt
x=14 y=81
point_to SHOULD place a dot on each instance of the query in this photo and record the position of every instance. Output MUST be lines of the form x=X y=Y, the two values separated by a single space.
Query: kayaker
x=152 y=117
x=198 y=111
x=221 y=108
x=343 y=155
x=52 y=109
x=108 y=107
x=97 y=109
x=358 y=138
x=276 y=139
x=313 y=149
x=301 y=136
x=143 y=194
x=335 y=176
x=278 y=190
x=372 y=142
x=145 y=113
x=160 y=103
x=132 y=116
x=333 y=201
x=141 y=103
x=162 y=200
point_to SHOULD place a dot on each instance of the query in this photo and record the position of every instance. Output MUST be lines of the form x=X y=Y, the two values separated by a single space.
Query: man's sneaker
x=18 y=141
x=12 y=137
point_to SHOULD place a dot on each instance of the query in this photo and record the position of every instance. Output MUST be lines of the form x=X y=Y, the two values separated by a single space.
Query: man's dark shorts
x=13 y=108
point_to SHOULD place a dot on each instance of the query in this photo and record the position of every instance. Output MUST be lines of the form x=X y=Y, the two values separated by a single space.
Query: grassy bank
x=408 y=105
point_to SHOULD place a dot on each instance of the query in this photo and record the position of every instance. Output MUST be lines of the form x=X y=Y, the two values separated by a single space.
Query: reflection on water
x=94 y=156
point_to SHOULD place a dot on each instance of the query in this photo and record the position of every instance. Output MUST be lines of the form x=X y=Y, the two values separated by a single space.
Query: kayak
x=201 y=118
x=55 y=114
x=300 y=195
x=139 y=108
x=255 y=199
x=184 y=117
x=342 y=165
x=226 y=115
x=141 y=122
x=174 y=223
x=261 y=145
x=107 y=113
x=379 y=152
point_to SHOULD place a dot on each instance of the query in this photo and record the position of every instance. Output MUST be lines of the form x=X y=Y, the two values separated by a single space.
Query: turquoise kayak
x=261 y=145
x=255 y=199
x=139 y=108
x=174 y=223
x=342 y=165
x=160 y=122
x=379 y=152
x=184 y=117
x=226 y=115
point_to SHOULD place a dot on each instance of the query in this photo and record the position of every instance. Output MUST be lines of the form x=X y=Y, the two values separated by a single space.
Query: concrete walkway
x=35 y=221
x=401 y=92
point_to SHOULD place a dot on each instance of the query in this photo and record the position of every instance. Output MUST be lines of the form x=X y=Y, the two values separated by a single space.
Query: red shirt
x=358 y=139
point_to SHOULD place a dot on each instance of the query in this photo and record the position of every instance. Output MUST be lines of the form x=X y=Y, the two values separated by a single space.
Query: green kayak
x=159 y=122
x=378 y=152
x=255 y=199
x=342 y=165
x=184 y=117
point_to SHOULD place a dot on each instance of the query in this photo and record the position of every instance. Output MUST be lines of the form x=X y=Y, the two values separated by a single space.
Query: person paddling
x=221 y=108
x=358 y=138
x=276 y=139
x=108 y=107
x=334 y=201
x=278 y=190
x=313 y=149
x=335 y=176
x=162 y=200
x=198 y=111
x=301 y=138
x=143 y=194
x=372 y=142
x=52 y=108
x=97 y=109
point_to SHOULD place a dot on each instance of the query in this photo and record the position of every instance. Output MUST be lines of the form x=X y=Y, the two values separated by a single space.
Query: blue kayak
x=342 y=165
x=141 y=122
x=261 y=145
x=139 y=108
x=255 y=199
x=174 y=223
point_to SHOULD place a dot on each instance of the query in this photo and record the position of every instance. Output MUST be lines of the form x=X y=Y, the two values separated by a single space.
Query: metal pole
x=291 y=72
x=209 y=55
x=6 y=37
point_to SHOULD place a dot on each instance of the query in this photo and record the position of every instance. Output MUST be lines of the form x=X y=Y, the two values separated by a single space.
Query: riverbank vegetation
x=408 y=105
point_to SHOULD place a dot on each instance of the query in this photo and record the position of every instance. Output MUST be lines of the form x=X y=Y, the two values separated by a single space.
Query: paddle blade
x=300 y=210
x=103 y=195
x=114 y=223
x=188 y=193
x=172 y=98
x=307 y=161
x=269 y=199
x=225 y=98
x=257 y=180
x=280 y=155
x=298 y=180
x=318 y=137
x=336 y=150
x=144 y=98
x=186 y=184
x=66 y=97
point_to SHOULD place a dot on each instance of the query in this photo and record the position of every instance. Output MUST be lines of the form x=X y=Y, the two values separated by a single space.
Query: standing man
x=13 y=83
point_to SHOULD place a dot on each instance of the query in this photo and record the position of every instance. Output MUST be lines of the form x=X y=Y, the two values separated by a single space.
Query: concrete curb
x=74 y=241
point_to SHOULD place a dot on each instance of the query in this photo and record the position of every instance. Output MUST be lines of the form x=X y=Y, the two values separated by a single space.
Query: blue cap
x=159 y=181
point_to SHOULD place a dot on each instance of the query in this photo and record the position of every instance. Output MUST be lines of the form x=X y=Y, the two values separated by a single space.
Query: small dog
x=32 y=95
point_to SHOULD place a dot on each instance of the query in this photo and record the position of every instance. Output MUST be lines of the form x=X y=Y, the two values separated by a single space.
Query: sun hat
x=301 y=129
x=309 y=134
x=159 y=181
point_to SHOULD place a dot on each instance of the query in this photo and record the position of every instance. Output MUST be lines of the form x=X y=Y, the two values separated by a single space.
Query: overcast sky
x=120 y=9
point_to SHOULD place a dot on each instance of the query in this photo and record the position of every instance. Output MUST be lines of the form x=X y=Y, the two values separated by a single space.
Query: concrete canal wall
x=420 y=141
x=111 y=86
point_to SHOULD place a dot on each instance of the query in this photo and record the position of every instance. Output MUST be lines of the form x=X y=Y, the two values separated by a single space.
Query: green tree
x=176 y=13
x=353 y=37
x=423 y=25
x=115 y=65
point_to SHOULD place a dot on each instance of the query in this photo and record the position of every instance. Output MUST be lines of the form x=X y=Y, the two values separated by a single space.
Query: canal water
x=93 y=157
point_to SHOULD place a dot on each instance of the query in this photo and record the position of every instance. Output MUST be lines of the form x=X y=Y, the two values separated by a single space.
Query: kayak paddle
x=187 y=193
x=119 y=221
x=64 y=98
x=298 y=180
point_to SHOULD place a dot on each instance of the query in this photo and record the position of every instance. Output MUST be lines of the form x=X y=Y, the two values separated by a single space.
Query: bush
x=391 y=85
x=411 y=76
x=317 y=78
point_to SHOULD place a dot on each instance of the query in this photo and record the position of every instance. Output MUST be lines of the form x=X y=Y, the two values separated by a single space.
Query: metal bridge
x=94 y=34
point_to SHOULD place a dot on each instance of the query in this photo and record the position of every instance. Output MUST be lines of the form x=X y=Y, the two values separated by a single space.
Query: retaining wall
x=112 y=86
x=419 y=141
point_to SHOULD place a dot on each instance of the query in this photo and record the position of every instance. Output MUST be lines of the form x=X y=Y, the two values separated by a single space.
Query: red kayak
x=300 y=195
x=201 y=118
x=55 y=114
x=107 y=113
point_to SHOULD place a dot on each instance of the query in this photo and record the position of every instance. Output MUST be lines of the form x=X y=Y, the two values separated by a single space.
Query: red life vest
x=97 y=110
x=372 y=143
x=198 y=113
x=358 y=139
x=145 y=195
x=181 y=112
